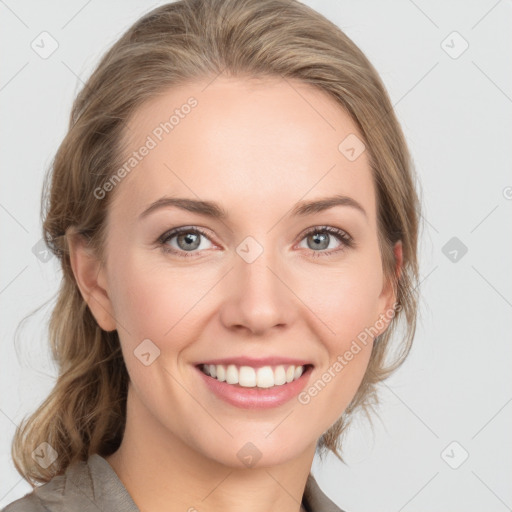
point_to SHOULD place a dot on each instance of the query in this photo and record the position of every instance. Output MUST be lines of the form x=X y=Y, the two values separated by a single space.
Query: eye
x=187 y=240
x=319 y=238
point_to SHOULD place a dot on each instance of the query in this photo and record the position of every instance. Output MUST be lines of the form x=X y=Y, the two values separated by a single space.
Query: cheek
x=151 y=300
x=347 y=299
x=349 y=307
x=348 y=302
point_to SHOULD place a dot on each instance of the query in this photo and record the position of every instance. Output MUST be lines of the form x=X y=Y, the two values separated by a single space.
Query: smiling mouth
x=249 y=377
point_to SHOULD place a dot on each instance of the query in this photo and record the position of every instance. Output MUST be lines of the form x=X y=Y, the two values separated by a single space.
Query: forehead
x=246 y=142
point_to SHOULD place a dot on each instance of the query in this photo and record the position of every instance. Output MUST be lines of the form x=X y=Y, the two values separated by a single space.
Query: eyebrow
x=215 y=211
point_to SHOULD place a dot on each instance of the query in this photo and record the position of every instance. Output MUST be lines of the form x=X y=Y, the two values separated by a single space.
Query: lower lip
x=256 y=398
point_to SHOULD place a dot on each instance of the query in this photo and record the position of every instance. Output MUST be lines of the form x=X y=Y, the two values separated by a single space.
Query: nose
x=257 y=298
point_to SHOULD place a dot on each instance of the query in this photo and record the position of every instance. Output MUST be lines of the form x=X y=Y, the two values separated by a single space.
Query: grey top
x=94 y=485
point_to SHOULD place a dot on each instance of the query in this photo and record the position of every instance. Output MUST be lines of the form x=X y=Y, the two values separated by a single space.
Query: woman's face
x=262 y=282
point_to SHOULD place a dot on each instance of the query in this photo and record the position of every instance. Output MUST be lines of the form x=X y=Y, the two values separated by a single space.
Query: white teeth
x=221 y=373
x=265 y=377
x=231 y=374
x=279 y=376
x=249 y=377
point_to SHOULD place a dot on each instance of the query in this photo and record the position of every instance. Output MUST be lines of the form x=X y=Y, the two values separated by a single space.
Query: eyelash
x=346 y=240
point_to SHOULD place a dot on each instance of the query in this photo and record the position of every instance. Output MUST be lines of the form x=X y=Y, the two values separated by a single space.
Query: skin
x=257 y=147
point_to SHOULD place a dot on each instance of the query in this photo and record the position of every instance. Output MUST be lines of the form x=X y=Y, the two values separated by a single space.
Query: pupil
x=192 y=240
x=320 y=240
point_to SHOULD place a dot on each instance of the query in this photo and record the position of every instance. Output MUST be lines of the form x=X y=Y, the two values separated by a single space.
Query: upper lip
x=257 y=362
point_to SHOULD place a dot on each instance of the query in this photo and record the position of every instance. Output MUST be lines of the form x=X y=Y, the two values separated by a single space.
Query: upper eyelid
x=329 y=229
x=171 y=233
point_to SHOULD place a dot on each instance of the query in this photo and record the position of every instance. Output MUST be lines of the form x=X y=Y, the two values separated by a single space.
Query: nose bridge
x=257 y=276
x=258 y=299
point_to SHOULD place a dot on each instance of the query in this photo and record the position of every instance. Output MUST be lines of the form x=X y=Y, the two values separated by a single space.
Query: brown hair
x=173 y=44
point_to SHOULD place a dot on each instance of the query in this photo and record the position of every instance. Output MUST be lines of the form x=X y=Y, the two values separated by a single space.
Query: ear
x=388 y=295
x=91 y=280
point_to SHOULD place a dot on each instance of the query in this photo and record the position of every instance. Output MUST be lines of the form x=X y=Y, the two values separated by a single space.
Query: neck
x=161 y=472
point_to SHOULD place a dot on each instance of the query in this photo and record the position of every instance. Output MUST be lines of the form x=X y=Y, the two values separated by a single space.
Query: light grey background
x=456 y=114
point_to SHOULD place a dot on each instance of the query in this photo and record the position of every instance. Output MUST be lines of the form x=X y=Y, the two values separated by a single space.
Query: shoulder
x=315 y=500
x=41 y=497
x=84 y=486
x=28 y=503
x=35 y=501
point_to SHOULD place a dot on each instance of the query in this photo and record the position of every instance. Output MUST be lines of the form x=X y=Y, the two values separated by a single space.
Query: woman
x=235 y=213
